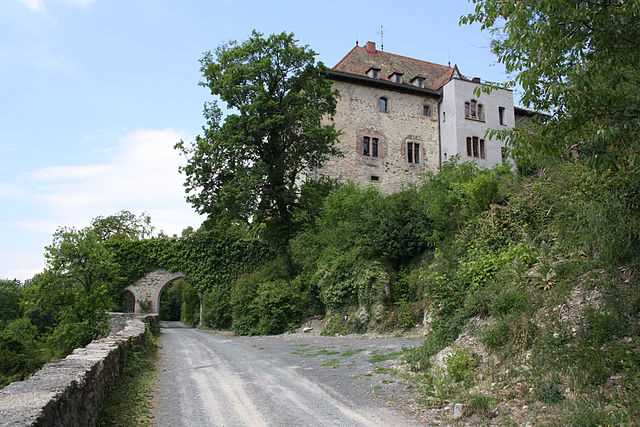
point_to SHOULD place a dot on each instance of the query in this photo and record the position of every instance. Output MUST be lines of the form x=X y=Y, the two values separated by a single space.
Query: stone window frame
x=422 y=161
x=371 y=134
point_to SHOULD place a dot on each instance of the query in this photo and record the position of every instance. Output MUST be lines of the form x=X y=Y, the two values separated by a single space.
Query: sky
x=95 y=93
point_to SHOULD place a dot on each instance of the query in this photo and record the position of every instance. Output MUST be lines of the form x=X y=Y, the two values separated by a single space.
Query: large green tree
x=249 y=163
x=578 y=60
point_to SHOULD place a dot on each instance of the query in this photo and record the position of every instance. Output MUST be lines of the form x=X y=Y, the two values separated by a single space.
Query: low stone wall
x=69 y=392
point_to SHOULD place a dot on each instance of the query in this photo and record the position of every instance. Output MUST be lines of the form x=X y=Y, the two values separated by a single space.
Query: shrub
x=217 y=308
x=461 y=365
x=548 y=390
x=190 y=310
x=266 y=302
x=406 y=315
x=496 y=335
x=349 y=280
x=479 y=404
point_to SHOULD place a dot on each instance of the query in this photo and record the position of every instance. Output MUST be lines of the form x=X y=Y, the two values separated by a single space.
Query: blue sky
x=94 y=93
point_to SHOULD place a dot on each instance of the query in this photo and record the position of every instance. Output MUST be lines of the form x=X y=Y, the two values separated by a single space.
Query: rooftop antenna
x=381 y=32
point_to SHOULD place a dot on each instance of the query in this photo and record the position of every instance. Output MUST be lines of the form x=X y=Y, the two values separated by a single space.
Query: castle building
x=400 y=117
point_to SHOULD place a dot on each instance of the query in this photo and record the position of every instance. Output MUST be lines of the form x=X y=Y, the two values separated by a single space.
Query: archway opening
x=171 y=301
x=179 y=300
x=128 y=302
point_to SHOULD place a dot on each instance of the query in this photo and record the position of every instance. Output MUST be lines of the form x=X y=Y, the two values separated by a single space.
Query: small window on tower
x=469 y=151
x=482 y=155
x=475 y=146
x=375 y=178
x=410 y=152
x=426 y=110
x=501 y=114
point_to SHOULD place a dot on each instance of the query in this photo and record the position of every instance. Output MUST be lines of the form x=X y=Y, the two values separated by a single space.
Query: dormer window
x=418 y=81
x=396 y=77
x=374 y=73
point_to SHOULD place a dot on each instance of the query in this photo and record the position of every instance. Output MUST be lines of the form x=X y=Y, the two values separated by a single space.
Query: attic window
x=374 y=73
x=418 y=81
x=396 y=77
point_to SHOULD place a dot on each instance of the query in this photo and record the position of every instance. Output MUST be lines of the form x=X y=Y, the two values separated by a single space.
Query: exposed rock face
x=69 y=392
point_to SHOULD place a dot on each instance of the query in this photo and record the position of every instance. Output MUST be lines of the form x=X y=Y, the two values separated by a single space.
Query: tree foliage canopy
x=248 y=164
x=578 y=60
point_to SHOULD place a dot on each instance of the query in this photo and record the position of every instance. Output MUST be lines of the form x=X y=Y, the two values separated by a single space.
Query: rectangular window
x=467 y=109
x=365 y=145
x=469 y=152
x=375 y=178
x=410 y=152
x=426 y=110
x=472 y=110
x=374 y=147
x=501 y=115
x=475 y=146
x=482 y=155
x=480 y=112
x=416 y=153
x=444 y=116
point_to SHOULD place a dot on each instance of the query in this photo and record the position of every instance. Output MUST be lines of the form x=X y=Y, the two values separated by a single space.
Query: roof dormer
x=418 y=81
x=396 y=77
x=373 y=72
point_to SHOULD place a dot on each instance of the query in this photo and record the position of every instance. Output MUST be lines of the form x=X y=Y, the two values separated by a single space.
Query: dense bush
x=265 y=302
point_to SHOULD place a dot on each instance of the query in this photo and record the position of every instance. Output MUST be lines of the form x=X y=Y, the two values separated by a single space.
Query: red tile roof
x=360 y=59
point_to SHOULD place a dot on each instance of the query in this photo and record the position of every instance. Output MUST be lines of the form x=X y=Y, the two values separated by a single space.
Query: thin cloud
x=33 y=5
x=39 y=5
x=142 y=176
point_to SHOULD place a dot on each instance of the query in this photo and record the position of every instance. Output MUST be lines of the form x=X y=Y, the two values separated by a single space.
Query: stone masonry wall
x=69 y=392
x=147 y=290
x=357 y=115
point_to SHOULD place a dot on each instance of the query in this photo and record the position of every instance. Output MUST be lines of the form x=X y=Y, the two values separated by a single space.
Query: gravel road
x=209 y=379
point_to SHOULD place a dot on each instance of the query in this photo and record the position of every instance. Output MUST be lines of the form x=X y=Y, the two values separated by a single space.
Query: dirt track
x=206 y=379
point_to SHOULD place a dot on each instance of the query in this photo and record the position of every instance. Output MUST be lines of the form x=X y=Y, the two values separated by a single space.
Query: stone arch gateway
x=146 y=291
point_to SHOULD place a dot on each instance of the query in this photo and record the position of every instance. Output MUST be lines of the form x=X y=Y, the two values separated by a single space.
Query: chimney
x=476 y=79
x=371 y=47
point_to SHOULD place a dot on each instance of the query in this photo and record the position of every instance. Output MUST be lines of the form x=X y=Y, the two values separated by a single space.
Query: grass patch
x=479 y=404
x=351 y=352
x=330 y=363
x=130 y=402
x=305 y=351
x=382 y=357
x=383 y=370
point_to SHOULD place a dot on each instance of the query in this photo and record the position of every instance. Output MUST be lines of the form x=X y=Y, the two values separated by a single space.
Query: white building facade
x=466 y=117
